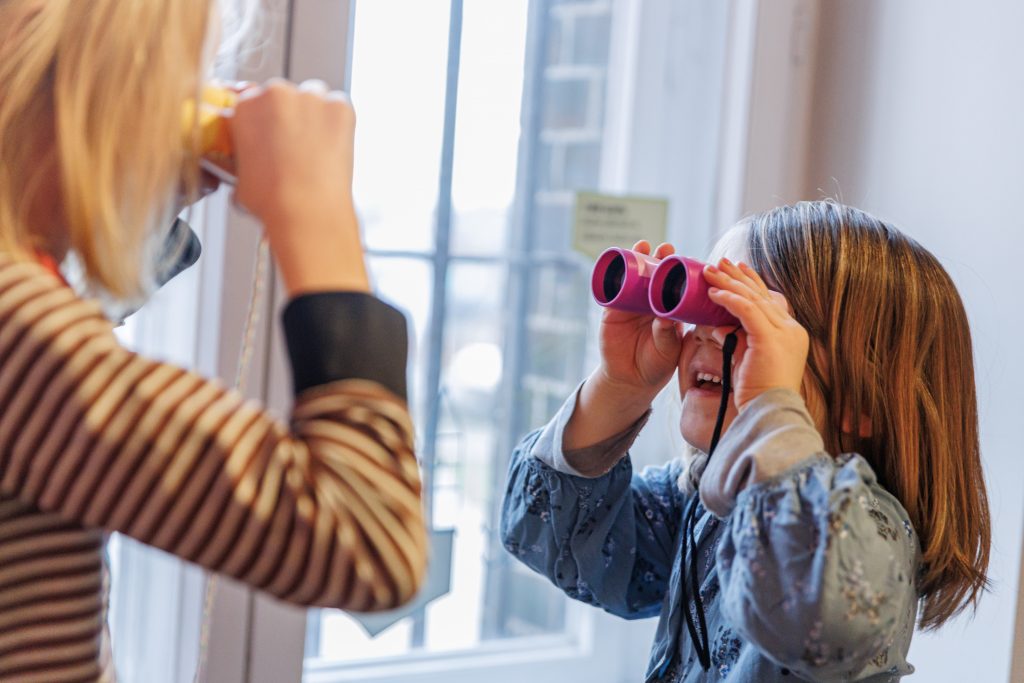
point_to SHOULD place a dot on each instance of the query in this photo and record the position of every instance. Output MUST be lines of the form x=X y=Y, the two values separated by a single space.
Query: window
x=466 y=216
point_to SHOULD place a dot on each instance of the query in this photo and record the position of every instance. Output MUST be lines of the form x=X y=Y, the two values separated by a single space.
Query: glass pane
x=555 y=342
x=406 y=283
x=469 y=432
x=556 y=334
x=399 y=67
x=487 y=124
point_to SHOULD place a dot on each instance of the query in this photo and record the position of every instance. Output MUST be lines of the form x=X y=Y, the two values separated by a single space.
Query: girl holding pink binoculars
x=832 y=497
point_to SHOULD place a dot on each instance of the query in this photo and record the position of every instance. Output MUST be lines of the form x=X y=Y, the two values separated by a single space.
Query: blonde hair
x=91 y=98
x=895 y=347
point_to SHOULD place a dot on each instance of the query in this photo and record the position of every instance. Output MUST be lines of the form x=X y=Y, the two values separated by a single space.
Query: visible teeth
x=707 y=377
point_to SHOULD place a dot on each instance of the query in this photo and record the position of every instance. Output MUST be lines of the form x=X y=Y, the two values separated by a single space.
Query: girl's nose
x=702 y=333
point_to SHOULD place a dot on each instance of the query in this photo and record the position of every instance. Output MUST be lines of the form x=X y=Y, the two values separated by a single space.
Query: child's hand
x=294 y=153
x=772 y=349
x=639 y=352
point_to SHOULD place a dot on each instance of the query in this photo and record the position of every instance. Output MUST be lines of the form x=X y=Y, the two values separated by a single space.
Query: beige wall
x=918 y=116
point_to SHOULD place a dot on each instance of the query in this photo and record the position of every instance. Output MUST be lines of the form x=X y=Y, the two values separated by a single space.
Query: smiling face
x=700 y=366
x=700 y=362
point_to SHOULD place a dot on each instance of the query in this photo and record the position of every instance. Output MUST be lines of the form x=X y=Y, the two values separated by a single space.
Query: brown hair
x=894 y=345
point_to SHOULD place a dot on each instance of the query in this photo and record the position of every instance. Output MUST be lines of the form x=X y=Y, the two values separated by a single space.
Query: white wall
x=918 y=116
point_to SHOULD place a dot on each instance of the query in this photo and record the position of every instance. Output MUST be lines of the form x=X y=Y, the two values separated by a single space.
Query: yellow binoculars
x=213 y=143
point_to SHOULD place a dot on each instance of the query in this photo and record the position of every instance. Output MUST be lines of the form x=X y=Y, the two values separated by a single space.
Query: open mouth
x=705 y=380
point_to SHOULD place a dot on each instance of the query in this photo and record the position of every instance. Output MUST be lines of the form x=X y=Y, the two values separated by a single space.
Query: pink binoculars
x=672 y=288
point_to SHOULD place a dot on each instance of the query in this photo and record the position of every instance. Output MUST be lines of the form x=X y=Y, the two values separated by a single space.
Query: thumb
x=665 y=336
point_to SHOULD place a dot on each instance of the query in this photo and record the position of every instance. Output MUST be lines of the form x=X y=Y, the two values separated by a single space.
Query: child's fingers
x=737 y=272
x=666 y=337
x=750 y=313
x=780 y=300
x=746 y=275
x=754 y=278
x=729 y=277
x=664 y=249
x=723 y=279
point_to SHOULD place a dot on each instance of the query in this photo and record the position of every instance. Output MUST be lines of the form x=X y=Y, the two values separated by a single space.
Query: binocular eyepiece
x=672 y=288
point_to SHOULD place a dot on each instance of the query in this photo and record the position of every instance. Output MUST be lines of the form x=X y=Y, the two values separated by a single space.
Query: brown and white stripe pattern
x=325 y=511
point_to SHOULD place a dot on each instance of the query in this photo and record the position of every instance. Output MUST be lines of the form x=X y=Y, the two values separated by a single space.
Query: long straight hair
x=894 y=346
x=91 y=97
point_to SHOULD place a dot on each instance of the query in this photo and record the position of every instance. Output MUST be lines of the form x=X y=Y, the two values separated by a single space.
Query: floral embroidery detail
x=861 y=600
x=709 y=592
x=538 y=500
x=836 y=521
x=647 y=572
x=815 y=651
x=608 y=550
x=749 y=543
x=885 y=530
x=587 y=525
x=725 y=651
x=882 y=525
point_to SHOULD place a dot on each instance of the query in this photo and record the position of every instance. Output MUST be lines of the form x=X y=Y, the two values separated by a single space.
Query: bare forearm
x=602 y=411
x=318 y=250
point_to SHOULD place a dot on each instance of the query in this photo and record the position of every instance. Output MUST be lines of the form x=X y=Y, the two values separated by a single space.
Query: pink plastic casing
x=635 y=269
x=678 y=291
x=672 y=288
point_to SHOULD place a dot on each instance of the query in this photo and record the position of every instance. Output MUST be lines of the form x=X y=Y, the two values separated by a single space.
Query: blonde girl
x=845 y=503
x=321 y=510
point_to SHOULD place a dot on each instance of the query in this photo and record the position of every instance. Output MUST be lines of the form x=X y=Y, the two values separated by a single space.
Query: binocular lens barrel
x=672 y=288
x=614 y=277
x=621 y=279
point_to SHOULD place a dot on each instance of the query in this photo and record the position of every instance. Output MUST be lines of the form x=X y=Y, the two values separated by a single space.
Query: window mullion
x=520 y=288
x=439 y=300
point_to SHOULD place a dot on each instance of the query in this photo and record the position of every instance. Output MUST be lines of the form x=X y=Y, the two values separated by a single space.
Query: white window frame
x=255 y=639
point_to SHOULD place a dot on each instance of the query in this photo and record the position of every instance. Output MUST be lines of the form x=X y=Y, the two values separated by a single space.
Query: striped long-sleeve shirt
x=324 y=510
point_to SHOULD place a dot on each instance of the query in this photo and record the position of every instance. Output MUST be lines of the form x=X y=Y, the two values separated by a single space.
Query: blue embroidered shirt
x=807 y=566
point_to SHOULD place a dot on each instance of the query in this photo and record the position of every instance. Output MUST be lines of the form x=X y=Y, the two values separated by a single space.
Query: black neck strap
x=691 y=584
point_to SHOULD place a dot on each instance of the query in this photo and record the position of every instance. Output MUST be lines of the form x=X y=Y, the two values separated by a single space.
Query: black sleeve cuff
x=345 y=335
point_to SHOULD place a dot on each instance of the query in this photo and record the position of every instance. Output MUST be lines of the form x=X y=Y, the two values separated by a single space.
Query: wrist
x=318 y=249
x=601 y=412
x=622 y=392
x=284 y=211
x=621 y=396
